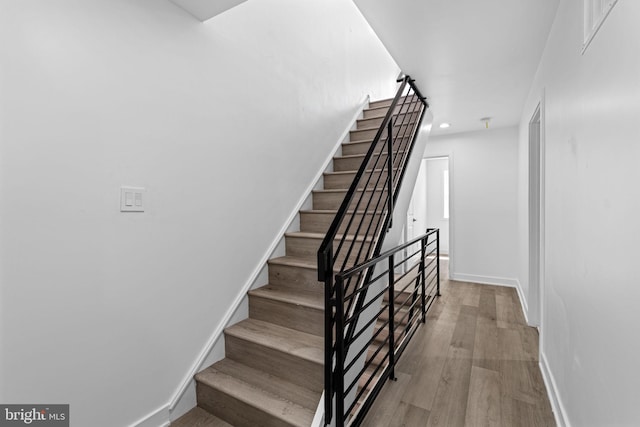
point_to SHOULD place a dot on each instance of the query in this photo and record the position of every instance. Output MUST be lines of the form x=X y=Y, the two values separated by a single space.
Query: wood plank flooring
x=474 y=363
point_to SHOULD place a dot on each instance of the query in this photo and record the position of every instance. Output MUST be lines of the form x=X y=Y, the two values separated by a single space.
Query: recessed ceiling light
x=445 y=125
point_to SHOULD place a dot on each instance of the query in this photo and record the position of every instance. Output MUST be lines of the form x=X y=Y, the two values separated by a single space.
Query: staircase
x=273 y=374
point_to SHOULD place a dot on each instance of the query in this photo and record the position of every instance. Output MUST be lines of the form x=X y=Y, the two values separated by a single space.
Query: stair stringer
x=184 y=398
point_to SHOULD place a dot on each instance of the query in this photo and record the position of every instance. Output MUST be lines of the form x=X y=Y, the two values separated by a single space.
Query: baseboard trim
x=160 y=417
x=485 y=280
x=559 y=412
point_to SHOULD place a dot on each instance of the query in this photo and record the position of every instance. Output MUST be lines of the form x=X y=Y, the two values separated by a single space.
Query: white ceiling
x=470 y=58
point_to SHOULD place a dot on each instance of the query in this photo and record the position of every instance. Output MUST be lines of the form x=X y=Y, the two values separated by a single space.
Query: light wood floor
x=474 y=363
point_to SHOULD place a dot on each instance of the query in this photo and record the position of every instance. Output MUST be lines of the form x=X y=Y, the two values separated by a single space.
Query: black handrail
x=365 y=213
x=409 y=294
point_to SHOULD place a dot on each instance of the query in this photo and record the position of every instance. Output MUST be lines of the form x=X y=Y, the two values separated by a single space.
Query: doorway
x=430 y=206
x=437 y=175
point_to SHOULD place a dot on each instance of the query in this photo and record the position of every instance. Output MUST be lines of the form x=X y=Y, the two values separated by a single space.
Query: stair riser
x=379 y=358
x=363 y=147
x=387 y=102
x=400 y=317
x=375 y=113
x=369 y=134
x=333 y=200
x=292 y=277
x=401 y=296
x=352 y=164
x=344 y=181
x=305 y=319
x=308 y=248
x=234 y=411
x=317 y=222
x=382 y=112
x=377 y=161
x=409 y=117
x=384 y=334
x=342 y=164
x=284 y=365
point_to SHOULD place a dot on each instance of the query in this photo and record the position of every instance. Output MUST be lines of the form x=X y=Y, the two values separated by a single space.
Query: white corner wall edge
x=160 y=417
x=318 y=418
x=204 y=10
x=523 y=303
x=559 y=412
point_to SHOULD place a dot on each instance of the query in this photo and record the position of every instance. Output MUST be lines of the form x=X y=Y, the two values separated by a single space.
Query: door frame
x=536 y=210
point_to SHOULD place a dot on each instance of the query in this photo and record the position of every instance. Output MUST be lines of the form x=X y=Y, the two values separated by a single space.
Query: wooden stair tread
x=300 y=344
x=335 y=211
x=353 y=172
x=267 y=392
x=301 y=297
x=293 y=261
x=354 y=156
x=320 y=236
x=395 y=124
x=198 y=417
x=344 y=190
x=370 y=140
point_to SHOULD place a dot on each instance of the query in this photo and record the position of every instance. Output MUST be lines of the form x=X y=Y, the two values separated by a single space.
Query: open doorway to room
x=430 y=206
x=437 y=175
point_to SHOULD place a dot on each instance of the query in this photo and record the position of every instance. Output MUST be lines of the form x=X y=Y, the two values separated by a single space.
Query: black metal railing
x=357 y=232
x=402 y=286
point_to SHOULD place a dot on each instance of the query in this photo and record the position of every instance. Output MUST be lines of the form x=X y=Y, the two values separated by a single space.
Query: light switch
x=132 y=199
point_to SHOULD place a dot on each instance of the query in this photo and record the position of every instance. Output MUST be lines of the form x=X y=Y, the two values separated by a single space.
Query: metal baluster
x=438 y=260
x=390 y=167
x=339 y=372
x=327 y=264
x=423 y=253
x=392 y=314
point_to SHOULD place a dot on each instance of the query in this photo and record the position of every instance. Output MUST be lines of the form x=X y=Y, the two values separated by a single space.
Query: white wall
x=225 y=123
x=483 y=203
x=590 y=316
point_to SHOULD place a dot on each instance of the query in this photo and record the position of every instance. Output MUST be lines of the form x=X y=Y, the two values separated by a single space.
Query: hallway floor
x=474 y=363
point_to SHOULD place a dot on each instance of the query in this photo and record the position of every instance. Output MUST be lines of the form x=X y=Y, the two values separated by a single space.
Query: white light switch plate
x=132 y=199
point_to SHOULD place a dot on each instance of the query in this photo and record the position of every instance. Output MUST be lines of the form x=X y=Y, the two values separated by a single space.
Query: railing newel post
x=339 y=372
x=438 y=260
x=392 y=315
x=423 y=254
x=327 y=261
